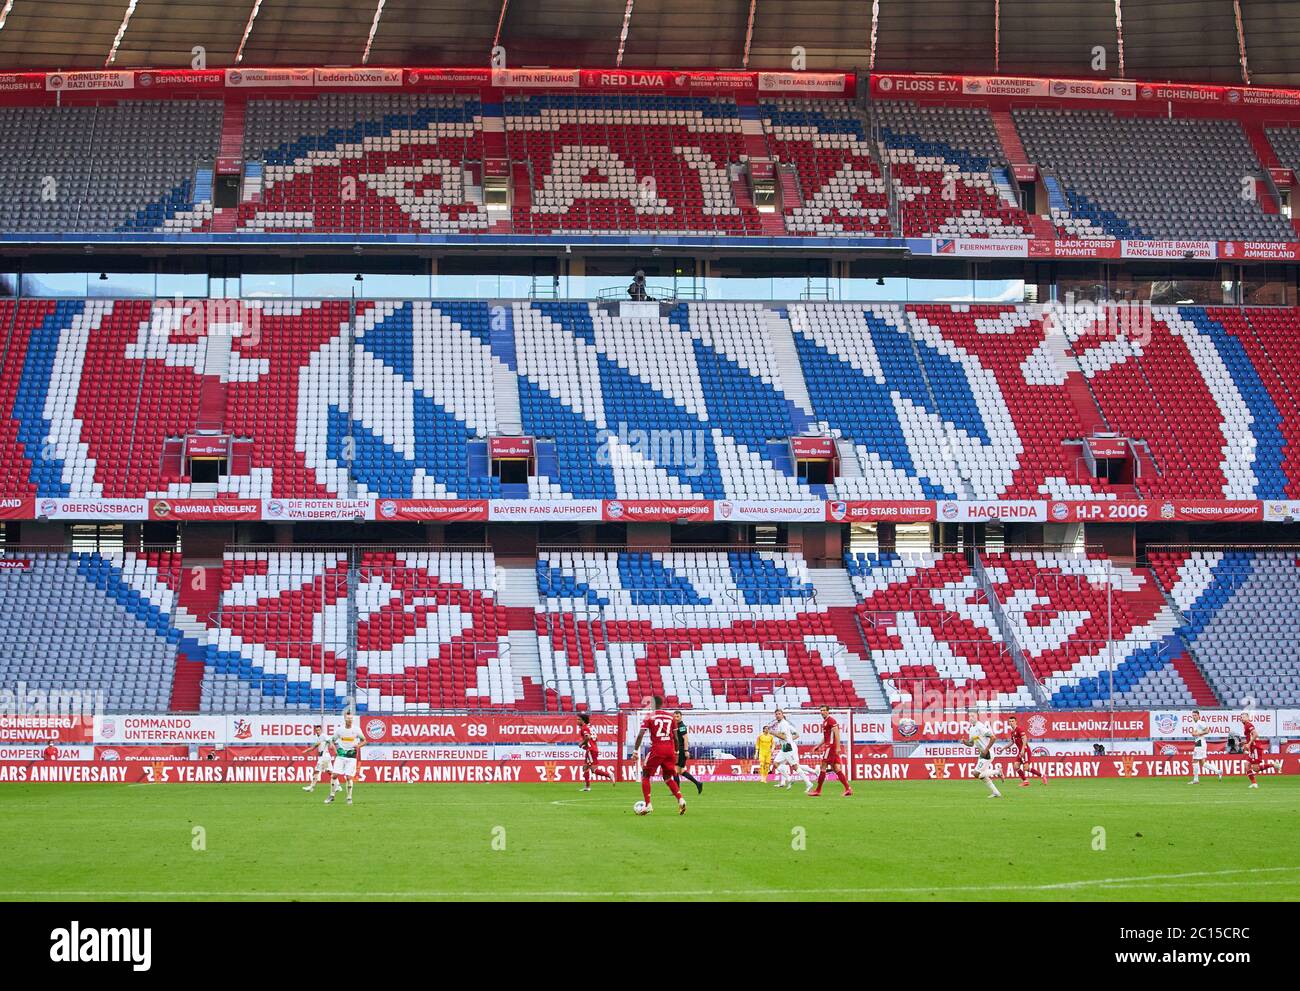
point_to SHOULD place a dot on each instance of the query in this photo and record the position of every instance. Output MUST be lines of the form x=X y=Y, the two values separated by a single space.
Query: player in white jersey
x=787 y=753
x=981 y=738
x=347 y=748
x=321 y=748
x=1200 y=748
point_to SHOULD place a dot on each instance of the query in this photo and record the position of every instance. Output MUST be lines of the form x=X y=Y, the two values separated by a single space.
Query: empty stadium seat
x=738 y=629
x=1240 y=620
x=95 y=626
x=1150 y=177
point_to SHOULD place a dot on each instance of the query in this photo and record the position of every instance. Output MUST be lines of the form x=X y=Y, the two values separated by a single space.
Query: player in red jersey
x=590 y=753
x=662 y=756
x=832 y=759
x=1253 y=747
x=1024 y=756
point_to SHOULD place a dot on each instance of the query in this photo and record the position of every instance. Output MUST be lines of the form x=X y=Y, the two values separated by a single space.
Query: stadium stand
x=1078 y=617
x=738 y=629
x=131 y=166
x=91 y=623
x=938 y=401
x=949 y=172
x=1027 y=626
x=1239 y=619
x=371 y=162
x=836 y=185
x=609 y=163
x=1149 y=177
x=425 y=626
x=931 y=628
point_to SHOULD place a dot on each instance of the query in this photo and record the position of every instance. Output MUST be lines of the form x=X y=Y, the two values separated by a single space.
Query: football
x=639 y=808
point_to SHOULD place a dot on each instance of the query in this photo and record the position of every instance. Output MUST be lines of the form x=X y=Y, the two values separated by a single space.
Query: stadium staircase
x=1007 y=630
x=791 y=197
x=1263 y=148
x=517 y=592
x=1185 y=662
x=231 y=148
x=835 y=594
x=212 y=393
x=198 y=595
x=780 y=342
x=771 y=224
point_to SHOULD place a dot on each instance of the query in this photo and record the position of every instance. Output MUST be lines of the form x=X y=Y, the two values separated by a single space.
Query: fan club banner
x=707 y=728
x=33 y=729
x=654 y=510
x=160 y=83
x=1052 y=725
x=866 y=768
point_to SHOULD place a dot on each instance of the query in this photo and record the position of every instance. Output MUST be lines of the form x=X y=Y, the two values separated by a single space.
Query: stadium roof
x=1200 y=40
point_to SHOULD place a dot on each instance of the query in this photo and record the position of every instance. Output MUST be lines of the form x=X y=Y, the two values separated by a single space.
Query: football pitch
x=1108 y=840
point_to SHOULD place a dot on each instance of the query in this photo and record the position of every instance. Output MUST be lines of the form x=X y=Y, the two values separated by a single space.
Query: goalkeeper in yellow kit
x=763 y=749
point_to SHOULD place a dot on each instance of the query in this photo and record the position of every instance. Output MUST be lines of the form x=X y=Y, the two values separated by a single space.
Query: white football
x=639 y=808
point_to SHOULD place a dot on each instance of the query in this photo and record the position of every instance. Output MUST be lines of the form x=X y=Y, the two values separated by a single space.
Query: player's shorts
x=663 y=761
x=590 y=757
x=790 y=756
x=1024 y=757
x=344 y=767
x=1199 y=751
x=323 y=762
x=983 y=765
x=1256 y=754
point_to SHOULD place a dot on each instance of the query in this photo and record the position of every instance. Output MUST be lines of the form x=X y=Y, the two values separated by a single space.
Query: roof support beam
x=1241 y=43
x=1119 y=34
x=121 y=32
x=501 y=20
x=4 y=14
x=749 y=34
x=997 y=35
x=622 y=35
x=374 y=26
x=248 y=29
x=875 y=27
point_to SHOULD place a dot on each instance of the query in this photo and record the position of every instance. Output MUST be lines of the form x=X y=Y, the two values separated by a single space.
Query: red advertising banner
x=1269 y=251
x=892 y=511
x=46 y=729
x=15 y=564
x=870 y=764
x=1074 y=248
x=205 y=510
x=517 y=448
x=1052 y=725
x=142 y=755
x=480 y=729
x=17 y=508
x=658 y=510
x=813 y=448
x=1170 y=510
x=433 y=510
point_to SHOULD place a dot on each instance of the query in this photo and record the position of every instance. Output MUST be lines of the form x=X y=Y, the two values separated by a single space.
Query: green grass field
x=1164 y=839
